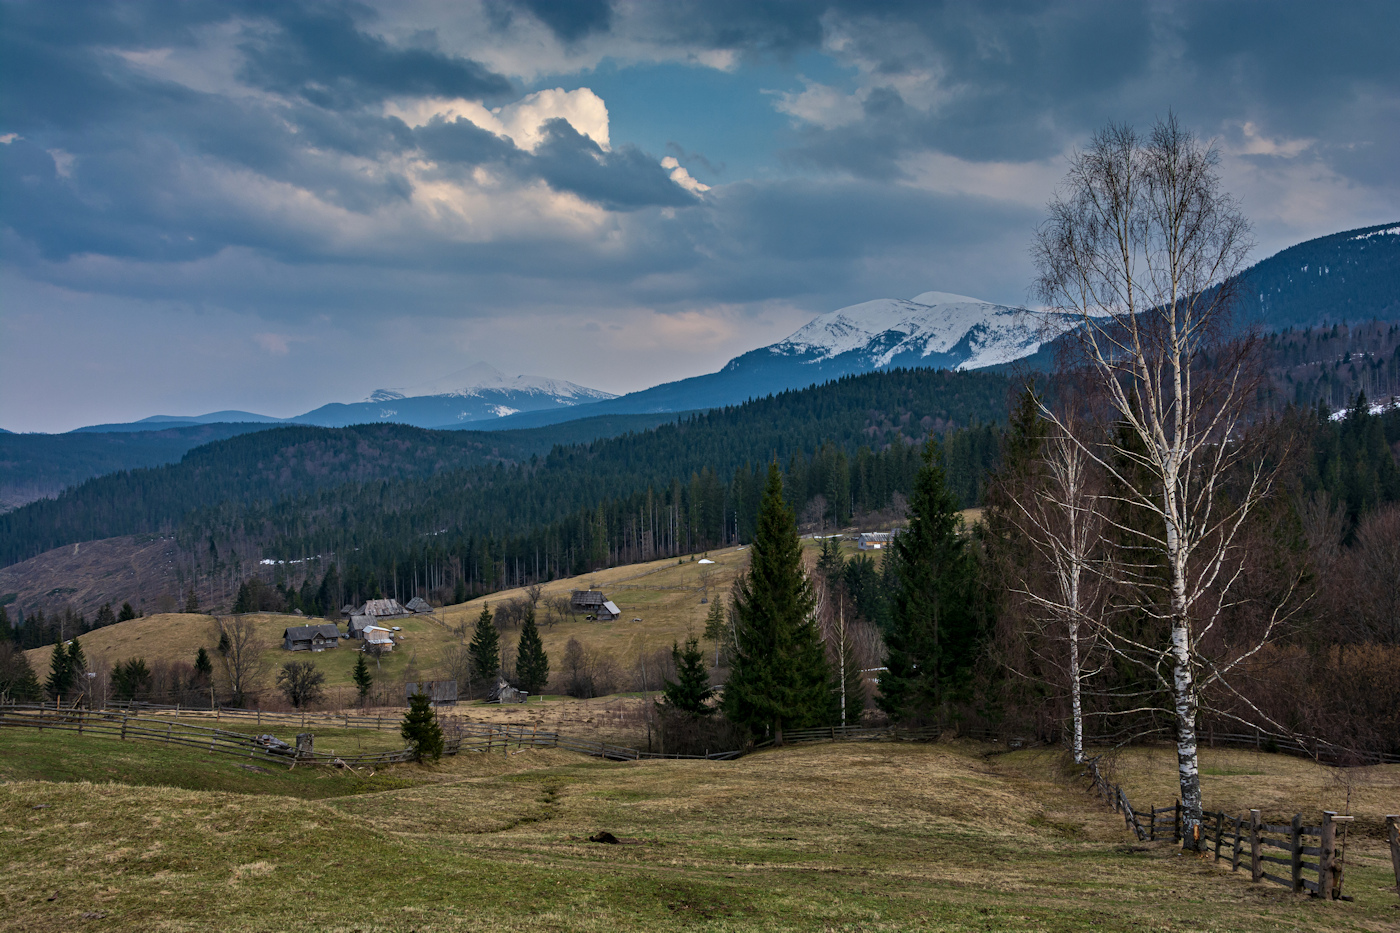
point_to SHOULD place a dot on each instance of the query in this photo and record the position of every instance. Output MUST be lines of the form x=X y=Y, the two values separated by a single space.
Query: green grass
x=31 y=755
x=829 y=837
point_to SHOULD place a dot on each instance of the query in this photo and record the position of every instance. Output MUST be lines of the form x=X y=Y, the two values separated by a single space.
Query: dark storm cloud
x=1023 y=81
x=623 y=179
x=570 y=20
x=321 y=55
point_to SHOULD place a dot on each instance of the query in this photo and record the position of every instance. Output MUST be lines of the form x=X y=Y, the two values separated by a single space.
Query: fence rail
x=1234 y=836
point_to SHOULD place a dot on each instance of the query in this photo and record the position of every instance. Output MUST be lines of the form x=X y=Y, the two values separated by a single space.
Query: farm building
x=358 y=624
x=874 y=540
x=608 y=611
x=418 y=604
x=587 y=600
x=376 y=636
x=383 y=609
x=311 y=637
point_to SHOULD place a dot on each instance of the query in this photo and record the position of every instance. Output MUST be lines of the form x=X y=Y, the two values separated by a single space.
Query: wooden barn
x=587 y=600
x=418 y=605
x=311 y=637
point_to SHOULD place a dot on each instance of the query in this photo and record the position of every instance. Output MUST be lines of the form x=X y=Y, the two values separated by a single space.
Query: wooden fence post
x=1326 y=854
x=1176 y=823
x=1256 y=867
x=1235 y=857
x=1392 y=831
x=124 y=715
x=1219 y=831
x=1296 y=844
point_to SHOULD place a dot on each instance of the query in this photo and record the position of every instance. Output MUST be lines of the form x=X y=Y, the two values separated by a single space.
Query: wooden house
x=874 y=540
x=376 y=636
x=608 y=611
x=382 y=609
x=358 y=624
x=587 y=600
x=311 y=637
x=418 y=605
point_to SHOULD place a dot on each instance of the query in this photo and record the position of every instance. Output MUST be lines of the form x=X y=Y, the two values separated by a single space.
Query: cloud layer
x=423 y=181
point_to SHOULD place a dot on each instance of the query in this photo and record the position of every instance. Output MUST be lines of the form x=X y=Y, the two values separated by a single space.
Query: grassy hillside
x=664 y=594
x=833 y=837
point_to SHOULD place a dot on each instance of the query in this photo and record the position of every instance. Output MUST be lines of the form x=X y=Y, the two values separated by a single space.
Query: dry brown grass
x=831 y=837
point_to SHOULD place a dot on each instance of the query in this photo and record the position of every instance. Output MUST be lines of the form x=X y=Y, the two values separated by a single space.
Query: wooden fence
x=1265 y=845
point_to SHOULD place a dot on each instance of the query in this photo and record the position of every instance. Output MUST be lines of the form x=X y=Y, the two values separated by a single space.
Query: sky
x=269 y=206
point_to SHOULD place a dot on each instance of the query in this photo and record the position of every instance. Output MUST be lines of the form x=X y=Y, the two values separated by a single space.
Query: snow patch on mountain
x=968 y=332
x=1389 y=231
x=481 y=378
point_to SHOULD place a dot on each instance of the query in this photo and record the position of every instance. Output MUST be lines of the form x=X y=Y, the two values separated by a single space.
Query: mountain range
x=1344 y=277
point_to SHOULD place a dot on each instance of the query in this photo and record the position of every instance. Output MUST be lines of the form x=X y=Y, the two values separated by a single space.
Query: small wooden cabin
x=311 y=637
x=587 y=600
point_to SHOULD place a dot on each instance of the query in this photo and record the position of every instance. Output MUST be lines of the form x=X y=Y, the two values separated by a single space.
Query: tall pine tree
x=779 y=677
x=60 y=682
x=933 y=630
x=485 y=649
x=531 y=663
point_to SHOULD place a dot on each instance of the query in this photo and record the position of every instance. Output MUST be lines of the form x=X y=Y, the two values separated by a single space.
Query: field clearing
x=827 y=837
x=665 y=594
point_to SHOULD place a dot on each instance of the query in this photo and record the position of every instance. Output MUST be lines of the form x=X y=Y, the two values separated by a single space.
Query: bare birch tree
x=1059 y=517
x=1140 y=250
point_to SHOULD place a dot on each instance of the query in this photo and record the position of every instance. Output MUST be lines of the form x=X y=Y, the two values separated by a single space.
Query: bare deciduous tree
x=1140 y=251
x=1058 y=515
x=240 y=656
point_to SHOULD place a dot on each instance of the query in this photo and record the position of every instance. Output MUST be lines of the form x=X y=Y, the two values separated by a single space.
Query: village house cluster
x=370 y=623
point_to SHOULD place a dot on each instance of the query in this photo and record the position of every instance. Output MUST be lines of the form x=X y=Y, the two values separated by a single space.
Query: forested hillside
x=274 y=462
x=386 y=499
x=36 y=466
x=1331 y=365
x=1353 y=276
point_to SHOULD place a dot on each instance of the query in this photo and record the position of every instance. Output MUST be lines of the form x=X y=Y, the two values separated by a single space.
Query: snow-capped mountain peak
x=934 y=328
x=480 y=377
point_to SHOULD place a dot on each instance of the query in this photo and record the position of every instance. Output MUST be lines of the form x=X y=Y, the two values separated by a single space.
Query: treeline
x=1332 y=365
x=448 y=538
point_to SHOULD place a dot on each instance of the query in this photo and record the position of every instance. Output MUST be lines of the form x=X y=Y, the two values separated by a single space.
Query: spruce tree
x=17 y=681
x=485 y=649
x=779 y=677
x=191 y=601
x=76 y=659
x=6 y=632
x=363 y=679
x=420 y=728
x=203 y=666
x=531 y=663
x=105 y=617
x=717 y=628
x=60 y=682
x=126 y=614
x=691 y=689
x=932 y=635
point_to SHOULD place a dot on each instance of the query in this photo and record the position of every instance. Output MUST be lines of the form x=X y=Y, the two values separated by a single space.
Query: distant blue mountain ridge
x=1349 y=276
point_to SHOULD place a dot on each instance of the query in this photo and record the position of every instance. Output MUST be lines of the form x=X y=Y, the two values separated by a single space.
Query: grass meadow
x=104 y=835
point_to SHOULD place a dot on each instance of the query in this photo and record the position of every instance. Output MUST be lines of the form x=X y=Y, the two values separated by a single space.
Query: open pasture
x=845 y=836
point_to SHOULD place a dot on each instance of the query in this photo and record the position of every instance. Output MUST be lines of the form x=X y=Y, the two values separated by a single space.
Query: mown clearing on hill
x=842 y=836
